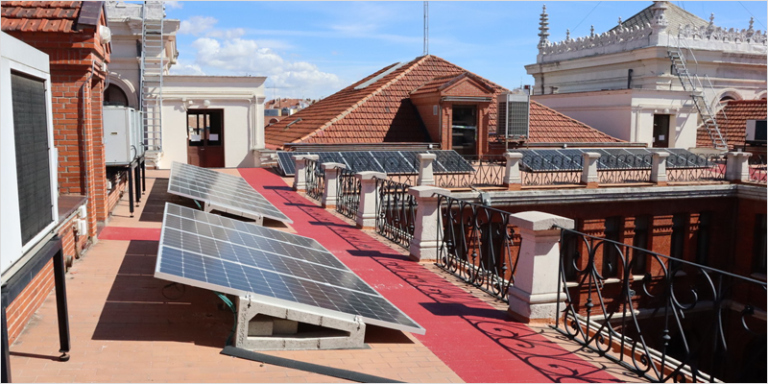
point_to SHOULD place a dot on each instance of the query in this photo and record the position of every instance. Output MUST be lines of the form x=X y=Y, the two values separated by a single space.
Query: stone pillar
x=534 y=296
x=366 y=210
x=589 y=169
x=331 y=183
x=426 y=174
x=737 y=166
x=512 y=178
x=425 y=235
x=299 y=178
x=659 y=168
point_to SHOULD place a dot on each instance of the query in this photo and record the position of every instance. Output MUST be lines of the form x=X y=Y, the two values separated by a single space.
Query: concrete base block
x=528 y=308
x=264 y=327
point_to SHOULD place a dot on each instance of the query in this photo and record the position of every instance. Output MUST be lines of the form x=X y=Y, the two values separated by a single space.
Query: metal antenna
x=426 y=28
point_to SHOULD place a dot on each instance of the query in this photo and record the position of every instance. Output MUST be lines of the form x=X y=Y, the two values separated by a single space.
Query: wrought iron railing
x=347 y=193
x=757 y=169
x=489 y=172
x=314 y=178
x=477 y=244
x=395 y=212
x=550 y=178
x=710 y=168
x=665 y=319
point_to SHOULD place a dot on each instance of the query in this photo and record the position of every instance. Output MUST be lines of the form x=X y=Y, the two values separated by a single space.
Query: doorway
x=205 y=138
x=661 y=131
x=464 y=129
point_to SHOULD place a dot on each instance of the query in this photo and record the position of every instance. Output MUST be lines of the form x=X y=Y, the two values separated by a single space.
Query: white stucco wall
x=241 y=98
x=628 y=114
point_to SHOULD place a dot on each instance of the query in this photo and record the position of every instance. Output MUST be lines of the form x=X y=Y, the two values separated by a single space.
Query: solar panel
x=549 y=160
x=391 y=162
x=226 y=193
x=281 y=269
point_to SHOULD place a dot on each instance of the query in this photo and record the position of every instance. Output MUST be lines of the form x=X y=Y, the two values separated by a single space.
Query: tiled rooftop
x=382 y=111
x=676 y=17
x=40 y=16
x=128 y=326
x=732 y=121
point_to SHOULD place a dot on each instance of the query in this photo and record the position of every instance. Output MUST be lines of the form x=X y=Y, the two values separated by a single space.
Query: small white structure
x=188 y=99
x=208 y=121
x=621 y=81
x=29 y=211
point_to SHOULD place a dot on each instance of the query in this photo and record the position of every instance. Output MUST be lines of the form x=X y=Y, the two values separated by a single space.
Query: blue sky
x=313 y=49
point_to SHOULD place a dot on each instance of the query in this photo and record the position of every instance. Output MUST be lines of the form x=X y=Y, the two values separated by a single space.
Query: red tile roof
x=382 y=111
x=40 y=16
x=550 y=126
x=732 y=120
x=442 y=82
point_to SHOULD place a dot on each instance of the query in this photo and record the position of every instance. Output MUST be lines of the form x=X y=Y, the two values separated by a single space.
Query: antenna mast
x=426 y=28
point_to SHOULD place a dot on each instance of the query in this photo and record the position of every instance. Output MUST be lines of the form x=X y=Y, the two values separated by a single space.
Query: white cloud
x=174 y=4
x=197 y=25
x=237 y=56
x=181 y=68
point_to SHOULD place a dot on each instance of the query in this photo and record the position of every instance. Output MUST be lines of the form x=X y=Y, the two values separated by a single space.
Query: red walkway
x=476 y=341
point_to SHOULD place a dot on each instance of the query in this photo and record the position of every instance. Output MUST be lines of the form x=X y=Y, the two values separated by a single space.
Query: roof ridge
x=343 y=114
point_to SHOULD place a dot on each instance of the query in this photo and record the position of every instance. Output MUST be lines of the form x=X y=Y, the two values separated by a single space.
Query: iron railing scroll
x=347 y=193
x=395 y=212
x=314 y=178
x=477 y=244
x=665 y=319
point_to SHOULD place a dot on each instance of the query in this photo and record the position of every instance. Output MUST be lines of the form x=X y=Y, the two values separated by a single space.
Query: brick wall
x=33 y=296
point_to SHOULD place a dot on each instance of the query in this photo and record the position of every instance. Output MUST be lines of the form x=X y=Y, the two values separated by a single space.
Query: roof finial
x=567 y=35
x=592 y=31
x=659 y=9
x=711 y=18
x=544 y=28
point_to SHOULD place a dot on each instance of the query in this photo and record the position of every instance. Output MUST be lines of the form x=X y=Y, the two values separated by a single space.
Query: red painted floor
x=476 y=341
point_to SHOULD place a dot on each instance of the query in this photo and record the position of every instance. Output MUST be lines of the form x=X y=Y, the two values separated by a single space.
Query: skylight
x=381 y=75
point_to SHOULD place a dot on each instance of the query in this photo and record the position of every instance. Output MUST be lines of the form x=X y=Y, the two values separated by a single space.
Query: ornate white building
x=210 y=121
x=627 y=82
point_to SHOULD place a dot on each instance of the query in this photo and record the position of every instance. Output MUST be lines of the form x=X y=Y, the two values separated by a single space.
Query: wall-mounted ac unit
x=514 y=115
x=756 y=132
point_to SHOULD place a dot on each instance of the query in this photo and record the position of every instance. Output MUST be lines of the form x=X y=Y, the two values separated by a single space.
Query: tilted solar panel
x=549 y=160
x=274 y=267
x=391 y=162
x=221 y=191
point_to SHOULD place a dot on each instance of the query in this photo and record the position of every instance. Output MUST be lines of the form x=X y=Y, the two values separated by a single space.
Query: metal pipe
x=6 y=369
x=59 y=272
x=629 y=78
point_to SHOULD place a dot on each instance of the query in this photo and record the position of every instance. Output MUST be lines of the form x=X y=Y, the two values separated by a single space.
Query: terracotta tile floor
x=127 y=326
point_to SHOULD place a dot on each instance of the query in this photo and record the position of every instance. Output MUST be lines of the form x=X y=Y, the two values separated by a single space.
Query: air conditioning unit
x=123 y=135
x=756 y=133
x=514 y=114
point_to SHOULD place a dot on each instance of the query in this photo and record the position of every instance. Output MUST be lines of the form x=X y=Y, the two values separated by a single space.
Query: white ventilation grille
x=514 y=115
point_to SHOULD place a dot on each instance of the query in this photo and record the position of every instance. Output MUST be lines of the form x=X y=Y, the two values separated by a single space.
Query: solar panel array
x=547 y=160
x=391 y=162
x=224 y=192
x=275 y=267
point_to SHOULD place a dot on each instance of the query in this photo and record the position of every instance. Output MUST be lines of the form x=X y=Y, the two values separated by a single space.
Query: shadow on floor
x=156 y=199
x=141 y=307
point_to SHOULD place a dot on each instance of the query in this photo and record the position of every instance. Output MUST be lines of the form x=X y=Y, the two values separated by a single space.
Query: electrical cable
x=234 y=314
x=175 y=285
x=753 y=16
x=585 y=17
